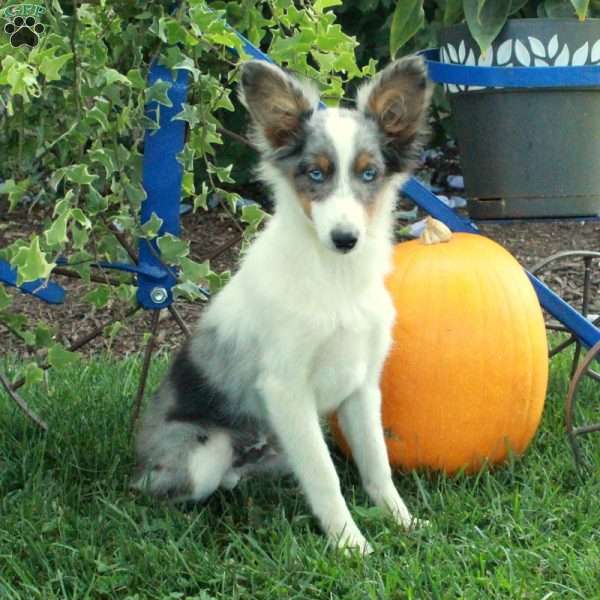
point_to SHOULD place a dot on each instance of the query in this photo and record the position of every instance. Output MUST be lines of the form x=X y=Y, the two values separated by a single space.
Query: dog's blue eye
x=316 y=175
x=368 y=175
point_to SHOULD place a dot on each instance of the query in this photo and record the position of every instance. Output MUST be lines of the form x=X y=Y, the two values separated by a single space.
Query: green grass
x=69 y=527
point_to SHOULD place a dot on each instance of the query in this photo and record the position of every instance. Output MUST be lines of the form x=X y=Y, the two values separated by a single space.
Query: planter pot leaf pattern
x=513 y=52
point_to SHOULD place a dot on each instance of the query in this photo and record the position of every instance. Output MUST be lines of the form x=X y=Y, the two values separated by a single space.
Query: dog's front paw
x=415 y=523
x=349 y=539
x=349 y=544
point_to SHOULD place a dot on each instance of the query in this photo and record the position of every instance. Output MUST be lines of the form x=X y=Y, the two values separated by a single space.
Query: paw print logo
x=24 y=31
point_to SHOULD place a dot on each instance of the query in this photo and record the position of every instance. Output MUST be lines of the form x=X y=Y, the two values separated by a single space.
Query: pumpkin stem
x=435 y=232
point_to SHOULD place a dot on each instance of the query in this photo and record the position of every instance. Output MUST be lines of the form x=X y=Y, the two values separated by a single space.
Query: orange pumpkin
x=466 y=377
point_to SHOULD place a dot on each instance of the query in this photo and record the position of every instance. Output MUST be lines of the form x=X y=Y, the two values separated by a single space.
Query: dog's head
x=338 y=164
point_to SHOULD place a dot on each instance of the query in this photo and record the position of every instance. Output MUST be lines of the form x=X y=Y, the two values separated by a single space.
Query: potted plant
x=525 y=152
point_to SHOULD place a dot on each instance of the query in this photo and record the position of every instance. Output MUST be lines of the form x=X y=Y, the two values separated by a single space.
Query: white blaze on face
x=340 y=212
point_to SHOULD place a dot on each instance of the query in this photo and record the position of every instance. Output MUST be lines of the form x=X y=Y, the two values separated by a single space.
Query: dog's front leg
x=360 y=419
x=294 y=419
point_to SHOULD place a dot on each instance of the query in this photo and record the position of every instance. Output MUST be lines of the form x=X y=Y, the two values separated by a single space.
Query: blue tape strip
x=162 y=175
x=47 y=291
x=510 y=77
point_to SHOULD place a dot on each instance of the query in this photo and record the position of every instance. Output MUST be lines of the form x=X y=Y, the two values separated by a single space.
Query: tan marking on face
x=305 y=203
x=363 y=160
x=372 y=209
x=323 y=162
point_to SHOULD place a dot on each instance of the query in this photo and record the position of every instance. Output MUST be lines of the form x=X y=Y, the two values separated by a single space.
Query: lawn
x=69 y=527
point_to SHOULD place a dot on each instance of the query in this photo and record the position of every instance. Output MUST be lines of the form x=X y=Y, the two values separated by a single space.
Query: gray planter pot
x=528 y=152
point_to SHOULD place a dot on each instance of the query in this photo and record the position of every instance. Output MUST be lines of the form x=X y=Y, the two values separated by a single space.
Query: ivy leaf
x=78 y=215
x=31 y=263
x=134 y=191
x=95 y=202
x=50 y=67
x=194 y=271
x=60 y=357
x=188 y=290
x=408 y=18
x=201 y=199
x=97 y=114
x=99 y=296
x=111 y=75
x=189 y=113
x=32 y=373
x=321 y=5
x=21 y=77
x=152 y=226
x=136 y=79
x=159 y=92
x=253 y=214
x=485 y=19
x=43 y=335
x=56 y=234
x=172 y=248
x=105 y=157
x=15 y=191
x=79 y=174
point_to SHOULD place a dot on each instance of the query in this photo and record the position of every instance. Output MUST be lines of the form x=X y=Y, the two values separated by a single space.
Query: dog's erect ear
x=278 y=104
x=398 y=98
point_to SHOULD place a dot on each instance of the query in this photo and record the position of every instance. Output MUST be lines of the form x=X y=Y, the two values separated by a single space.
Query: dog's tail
x=184 y=462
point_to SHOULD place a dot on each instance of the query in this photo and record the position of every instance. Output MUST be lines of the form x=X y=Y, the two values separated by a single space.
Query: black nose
x=343 y=240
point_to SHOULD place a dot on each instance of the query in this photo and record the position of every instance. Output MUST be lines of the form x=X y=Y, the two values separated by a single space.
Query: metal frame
x=162 y=181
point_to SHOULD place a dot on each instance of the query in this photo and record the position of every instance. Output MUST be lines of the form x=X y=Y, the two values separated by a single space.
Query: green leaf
x=31 y=263
x=21 y=77
x=189 y=113
x=201 y=199
x=253 y=214
x=159 y=92
x=50 y=67
x=193 y=270
x=136 y=79
x=134 y=191
x=172 y=248
x=485 y=19
x=43 y=335
x=32 y=373
x=99 y=296
x=105 y=157
x=408 y=18
x=79 y=174
x=60 y=357
x=15 y=191
x=78 y=215
x=581 y=8
x=152 y=226
x=321 y=5
x=111 y=75
x=56 y=234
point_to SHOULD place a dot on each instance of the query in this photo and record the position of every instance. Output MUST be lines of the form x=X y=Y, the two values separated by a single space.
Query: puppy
x=304 y=326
